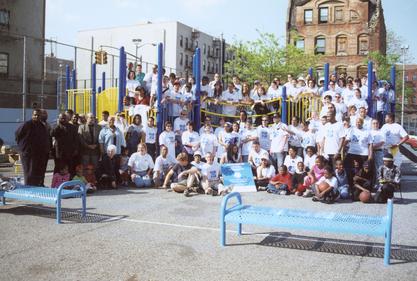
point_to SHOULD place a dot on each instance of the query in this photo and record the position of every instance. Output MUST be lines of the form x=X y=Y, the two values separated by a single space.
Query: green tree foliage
x=265 y=59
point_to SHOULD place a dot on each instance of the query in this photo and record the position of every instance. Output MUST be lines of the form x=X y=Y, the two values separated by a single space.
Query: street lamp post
x=404 y=49
x=136 y=42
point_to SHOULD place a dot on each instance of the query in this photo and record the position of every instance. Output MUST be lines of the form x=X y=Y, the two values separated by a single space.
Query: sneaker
x=283 y=192
x=298 y=193
x=209 y=191
x=187 y=192
x=262 y=188
x=308 y=193
x=316 y=199
x=200 y=190
x=215 y=192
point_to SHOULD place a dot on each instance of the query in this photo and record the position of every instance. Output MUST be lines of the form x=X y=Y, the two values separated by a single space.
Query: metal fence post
x=197 y=113
x=122 y=91
x=93 y=86
x=370 y=82
x=326 y=76
x=159 y=119
x=284 y=105
x=103 y=81
x=393 y=87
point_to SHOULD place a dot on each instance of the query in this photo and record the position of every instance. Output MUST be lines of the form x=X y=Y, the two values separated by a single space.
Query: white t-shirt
x=268 y=172
x=180 y=124
x=131 y=87
x=199 y=165
x=332 y=135
x=377 y=137
x=393 y=134
x=314 y=125
x=212 y=172
x=332 y=182
x=257 y=156
x=162 y=164
x=190 y=138
x=208 y=142
x=347 y=95
x=140 y=163
x=176 y=108
x=279 y=138
x=381 y=96
x=231 y=97
x=168 y=139
x=359 y=141
x=264 y=138
x=246 y=147
x=308 y=139
x=367 y=122
x=310 y=161
x=150 y=134
x=291 y=163
x=341 y=109
x=294 y=140
x=358 y=103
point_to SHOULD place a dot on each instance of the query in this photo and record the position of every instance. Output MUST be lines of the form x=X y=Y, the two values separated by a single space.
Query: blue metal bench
x=47 y=195
x=304 y=219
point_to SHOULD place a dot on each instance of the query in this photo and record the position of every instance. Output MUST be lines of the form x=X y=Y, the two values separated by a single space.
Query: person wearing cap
x=211 y=181
x=264 y=173
x=388 y=179
x=163 y=163
x=197 y=160
x=248 y=136
x=395 y=135
x=190 y=140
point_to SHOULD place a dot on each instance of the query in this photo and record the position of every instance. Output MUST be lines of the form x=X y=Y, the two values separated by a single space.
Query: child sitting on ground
x=342 y=180
x=281 y=183
x=388 y=179
x=124 y=168
x=297 y=183
x=325 y=188
x=62 y=176
x=314 y=175
x=362 y=181
x=79 y=176
x=90 y=176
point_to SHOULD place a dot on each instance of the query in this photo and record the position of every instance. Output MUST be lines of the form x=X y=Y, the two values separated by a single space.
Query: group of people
x=339 y=152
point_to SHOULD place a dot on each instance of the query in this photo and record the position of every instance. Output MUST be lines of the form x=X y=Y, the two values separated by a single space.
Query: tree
x=264 y=59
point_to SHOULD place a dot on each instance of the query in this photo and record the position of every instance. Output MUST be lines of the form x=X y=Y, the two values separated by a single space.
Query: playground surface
x=151 y=234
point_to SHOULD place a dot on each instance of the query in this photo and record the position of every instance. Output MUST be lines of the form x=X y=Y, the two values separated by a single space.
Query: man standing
x=44 y=119
x=66 y=144
x=89 y=146
x=395 y=135
x=33 y=141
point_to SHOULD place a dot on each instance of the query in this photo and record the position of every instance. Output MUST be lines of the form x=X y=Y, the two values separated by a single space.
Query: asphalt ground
x=150 y=234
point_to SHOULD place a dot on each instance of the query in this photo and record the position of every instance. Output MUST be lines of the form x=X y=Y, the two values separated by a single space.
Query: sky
x=237 y=20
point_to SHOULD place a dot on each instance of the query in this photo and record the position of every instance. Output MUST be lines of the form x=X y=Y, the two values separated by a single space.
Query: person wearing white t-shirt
x=395 y=135
x=378 y=141
x=333 y=137
x=180 y=123
x=263 y=134
x=236 y=83
x=348 y=92
x=295 y=131
x=357 y=100
x=150 y=80
x=291 y=160
x=264 y=173
x=327 y=100
x=367 y=121
x=141 y=165
x=176 y=100
x=208 y=141
x=248 y=136
x=279 y=140
x=162 y=165
x=131 y=85
x=331 y=91
x=231 y=97
x=190 y=140
x=167 y=138
x=340 y=106
x=308 y=138
x=381 y=97
x=320 y=135
x=310 y=158
x=255 y=155
x=150 y=136
x=211 y=176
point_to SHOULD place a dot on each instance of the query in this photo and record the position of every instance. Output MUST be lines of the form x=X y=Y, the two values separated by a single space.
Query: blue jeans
x=273 y=189
x=140 y=181
x=344 y=191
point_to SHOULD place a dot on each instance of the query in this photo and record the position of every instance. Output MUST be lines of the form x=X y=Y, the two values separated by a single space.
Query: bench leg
x=84 y=202
x=58 y=211
x=222 y=233
x=3 y=201
x=239 y=229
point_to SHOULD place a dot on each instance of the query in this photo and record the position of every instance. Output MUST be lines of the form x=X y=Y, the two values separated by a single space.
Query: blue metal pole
x=93 y=86
x=99 y=89
x=67 y=78
x=393 y=84
x=103 y=81
x=310 y=72
x=370 y=81
x=284 y=105
x=74 y=79
x=197 y=113
x=159 y=119
x=194 y=64
x=326 y=76
x=122 y=78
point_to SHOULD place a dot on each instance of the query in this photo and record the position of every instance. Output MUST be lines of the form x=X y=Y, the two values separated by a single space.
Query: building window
x=181 y=39
x=354 y=16
x=323 y=15
x=414 y=77
x=320 y=45
x=204 y=65
x=308 y=16
x=4 y=64
x=217 y=52
x=299 y=43
x=208 y=51
x=196 y=43
x=362 y=71
x=186 y=42
x=186 y=60
x=181 y=58
x=341 y=70
x=217 y=68
x=204 y=49
x=341 y=45
x=406 y=77
x=4 y=17
x=338 y=14
x=208 y=67
x=363 y=44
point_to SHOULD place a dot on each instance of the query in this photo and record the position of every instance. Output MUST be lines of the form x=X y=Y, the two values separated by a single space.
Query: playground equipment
x=96 y=100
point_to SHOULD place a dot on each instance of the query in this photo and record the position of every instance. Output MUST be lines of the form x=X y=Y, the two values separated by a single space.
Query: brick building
x=342 y=31
x=411 y=81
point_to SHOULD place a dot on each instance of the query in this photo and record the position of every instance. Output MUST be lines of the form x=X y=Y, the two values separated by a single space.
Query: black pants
x=34 y=168
x=350 y=158
x=151 y=147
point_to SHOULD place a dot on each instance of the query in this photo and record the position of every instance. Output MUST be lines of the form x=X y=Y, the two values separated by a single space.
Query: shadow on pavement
x=68 y=215
x=402 y=253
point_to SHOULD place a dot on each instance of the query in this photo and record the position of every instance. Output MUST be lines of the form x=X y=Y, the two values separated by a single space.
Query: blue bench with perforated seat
x=307 y=220
x=46 y=195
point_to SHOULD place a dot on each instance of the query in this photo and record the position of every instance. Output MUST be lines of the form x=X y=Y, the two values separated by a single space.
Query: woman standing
x=167 y=138
x=131 y=85
x=135 y=134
